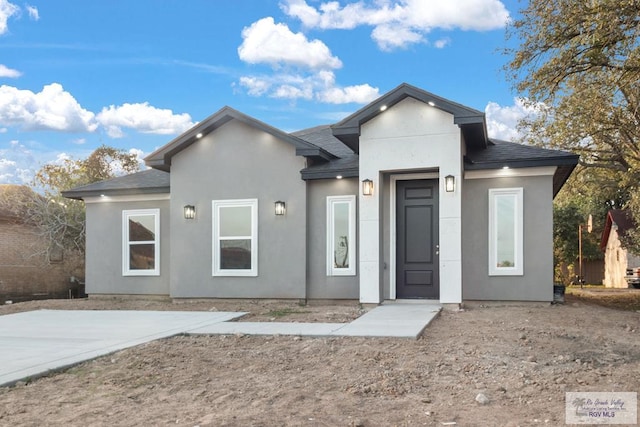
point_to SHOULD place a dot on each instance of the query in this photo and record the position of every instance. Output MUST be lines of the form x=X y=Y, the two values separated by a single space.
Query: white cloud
x=7 y=10
x=7 y=169
x=320 y=86
x=143 y=118
x=286 y=91
x=54 y=109
x=9 y=72
x=255 y=86
x=390 y=37
x=332 y=94
x=265 y=42
x=360 y=94
x=61 y=158
x=304 y=67
x=33 y=12
x=79 y=141
x=50 y=109
x=330 y=15
x=442 y=43
x=139 y=156
x=114 y=132
x=399 y=23
x=16 y=164
x=282 y=86
x=502 y=121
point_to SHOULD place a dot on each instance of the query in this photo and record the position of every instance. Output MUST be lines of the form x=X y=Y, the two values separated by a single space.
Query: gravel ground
x=521 y=358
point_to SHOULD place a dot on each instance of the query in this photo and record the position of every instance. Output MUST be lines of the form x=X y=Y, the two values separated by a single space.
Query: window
x=341 y=235
x=235 y=237
x=506 y=232
x=141 y=240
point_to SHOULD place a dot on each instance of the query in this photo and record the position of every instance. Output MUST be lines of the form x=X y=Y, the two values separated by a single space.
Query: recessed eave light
x=339 y=177
x=505 y=167
x=199 y=135
x=383 y=107
x=431 y=103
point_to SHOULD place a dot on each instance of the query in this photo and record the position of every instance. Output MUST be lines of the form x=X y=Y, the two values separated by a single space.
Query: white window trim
x=126 y=244
x=216 y=205
x=331 y=202
x=518 y=268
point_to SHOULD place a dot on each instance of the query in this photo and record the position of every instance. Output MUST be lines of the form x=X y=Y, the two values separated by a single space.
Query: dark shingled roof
x=499 y=154
x=150 y=181
x=346 y=165
x=322 y=136
x=503 y=153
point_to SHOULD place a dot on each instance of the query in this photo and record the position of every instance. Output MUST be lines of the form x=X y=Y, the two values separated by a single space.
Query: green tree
x=578 y=63
x=580 y=197
x=572 y=207
x=60 y=221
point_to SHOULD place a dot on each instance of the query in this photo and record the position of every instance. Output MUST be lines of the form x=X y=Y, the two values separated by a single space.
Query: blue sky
x=75 y=74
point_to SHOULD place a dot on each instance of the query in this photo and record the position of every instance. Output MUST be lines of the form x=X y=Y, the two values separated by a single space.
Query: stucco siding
x=319 y=284
x=239 y=162
x=104 y=250
x=536 y=284
x=409 y=137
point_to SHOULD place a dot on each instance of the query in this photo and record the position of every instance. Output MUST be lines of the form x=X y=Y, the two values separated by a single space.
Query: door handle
x=437 y=249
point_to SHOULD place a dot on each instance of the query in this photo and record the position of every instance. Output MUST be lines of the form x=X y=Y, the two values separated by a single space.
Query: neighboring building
x=405 y=198
x=26 y=272
x=616 y=258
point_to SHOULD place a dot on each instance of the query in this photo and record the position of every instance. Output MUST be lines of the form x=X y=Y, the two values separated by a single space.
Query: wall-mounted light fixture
x=281 y=207
x=449 y=183
x=189 y=212
x=367 y=187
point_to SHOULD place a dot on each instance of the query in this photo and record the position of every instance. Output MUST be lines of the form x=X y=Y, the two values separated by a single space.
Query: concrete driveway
x=36 y=342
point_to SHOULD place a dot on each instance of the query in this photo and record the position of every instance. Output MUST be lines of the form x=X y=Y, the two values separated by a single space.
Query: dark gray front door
x=417 y=274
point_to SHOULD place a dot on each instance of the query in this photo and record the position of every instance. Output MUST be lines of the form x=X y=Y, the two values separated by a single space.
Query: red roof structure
x=621 y=219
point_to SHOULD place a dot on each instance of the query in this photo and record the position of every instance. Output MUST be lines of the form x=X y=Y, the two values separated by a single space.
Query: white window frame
x=126 y=244
x=518 y=268
x=332 y=201
x=216 y=205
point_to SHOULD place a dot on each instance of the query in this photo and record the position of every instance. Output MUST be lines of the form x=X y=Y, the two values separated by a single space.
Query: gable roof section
x=332 y=150
x=499 y=154
x=149 y=181
x=346 y=163
x=471 y=121
x=322 y=136
x=161 y=158
x=621 y=218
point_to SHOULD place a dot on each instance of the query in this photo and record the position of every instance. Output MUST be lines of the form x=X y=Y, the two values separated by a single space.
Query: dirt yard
x=522 y=358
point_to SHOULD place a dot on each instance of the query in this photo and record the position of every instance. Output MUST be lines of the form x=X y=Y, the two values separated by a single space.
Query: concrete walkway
x=397 y=320
x=36 y=342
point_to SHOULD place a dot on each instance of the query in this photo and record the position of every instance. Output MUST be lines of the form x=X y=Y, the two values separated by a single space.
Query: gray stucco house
x=406 y=198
